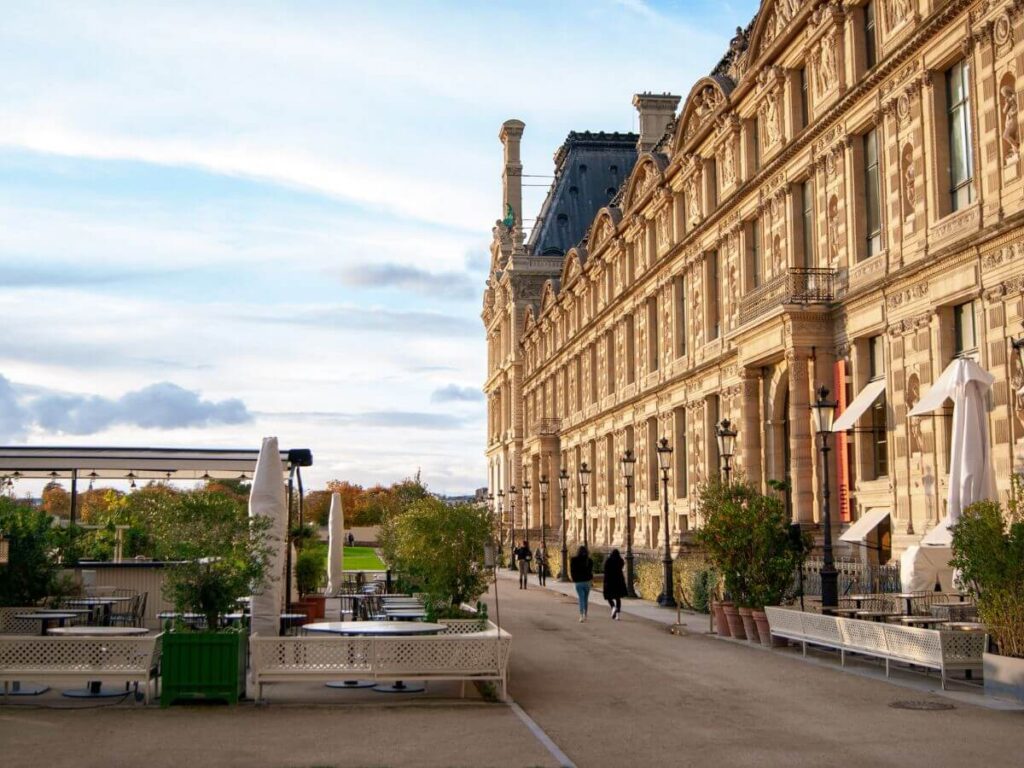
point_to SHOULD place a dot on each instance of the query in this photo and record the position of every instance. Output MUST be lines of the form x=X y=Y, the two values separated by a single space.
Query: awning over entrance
x=143 y=463
x=860 y=404
x=859 y=531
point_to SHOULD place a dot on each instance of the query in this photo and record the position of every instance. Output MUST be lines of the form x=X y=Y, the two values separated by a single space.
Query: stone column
x=801 y=446
x=751 y=425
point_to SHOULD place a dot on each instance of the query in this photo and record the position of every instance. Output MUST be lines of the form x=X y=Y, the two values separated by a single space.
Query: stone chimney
x=512 y=176
x=656 y=112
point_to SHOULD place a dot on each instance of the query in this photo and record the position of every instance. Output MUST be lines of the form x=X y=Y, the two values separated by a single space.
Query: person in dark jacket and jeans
x=581 y=571
x=614 y=582
x=523 y=556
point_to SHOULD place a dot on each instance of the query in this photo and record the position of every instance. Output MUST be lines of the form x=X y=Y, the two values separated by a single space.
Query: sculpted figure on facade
x=1011 y=135
x=729 y=162
x=827 y=64
x=833 y=228
x=898 y=12
x=909 y=179
x=662 y=221
x=693 y=201
x=772 y=127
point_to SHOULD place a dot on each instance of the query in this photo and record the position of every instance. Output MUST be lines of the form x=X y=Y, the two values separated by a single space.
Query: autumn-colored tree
x=353 y=499
x=317 y=507
x=56 y=501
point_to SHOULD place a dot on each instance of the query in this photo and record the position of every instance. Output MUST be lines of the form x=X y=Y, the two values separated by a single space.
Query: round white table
x=94 y=688
x=376 y=629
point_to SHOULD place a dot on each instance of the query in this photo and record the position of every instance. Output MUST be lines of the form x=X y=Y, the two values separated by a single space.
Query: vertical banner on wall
x=842 y=447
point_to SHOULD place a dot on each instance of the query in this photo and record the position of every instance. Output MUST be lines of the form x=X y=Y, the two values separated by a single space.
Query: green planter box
x=203 y=665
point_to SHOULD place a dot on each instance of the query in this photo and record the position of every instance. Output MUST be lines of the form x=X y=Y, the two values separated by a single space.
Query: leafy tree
x=441 y=548
x=31 y=571
x=317 y=507
x=55 y=500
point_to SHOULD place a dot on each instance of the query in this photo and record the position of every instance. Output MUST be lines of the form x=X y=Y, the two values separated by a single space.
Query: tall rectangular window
x=611 y=468
x=679 y=302
x=757 y=143
x=964 y=329
x=630 y=349
x=652 y=334
x=802 y=82
x=579 y=382
x=870 y=48
x=593 y=372
x=872 y=196
x=652 y=458
x=712 y=409
x=879 y=439
x=807 y=221
x=876 y=358
x=961 y=163
x=756 y=258
x=714 y=323
x=610 y=359
x=679 y=455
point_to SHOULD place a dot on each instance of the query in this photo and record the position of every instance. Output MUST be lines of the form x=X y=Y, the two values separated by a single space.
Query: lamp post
x=543 y=525
x=667 y=597
x=726 y=445
x=501 y=514
x=584 y=473
x=512 y=528
x=628 y=468
x=563 y=486
x=825 y=410
x=526 y=488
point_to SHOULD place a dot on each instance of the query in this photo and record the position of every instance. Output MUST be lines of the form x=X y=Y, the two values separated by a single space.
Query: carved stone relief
x=729 y=162
x=1009 y=129
x=826 y=70
x=908 y=181
x=833 y=228
x=898 y=11
x=772 y=120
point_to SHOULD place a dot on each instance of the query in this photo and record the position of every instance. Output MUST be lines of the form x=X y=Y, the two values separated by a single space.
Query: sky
x=221 y=221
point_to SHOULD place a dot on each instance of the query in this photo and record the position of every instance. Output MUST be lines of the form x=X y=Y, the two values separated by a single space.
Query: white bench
x=944 y=651
x=462 y=656
x=107 y=659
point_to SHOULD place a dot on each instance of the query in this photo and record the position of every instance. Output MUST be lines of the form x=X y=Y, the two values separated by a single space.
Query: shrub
x=704 y=586
x=746 y=535
x=311 y=567
x=988 y=550
x=30 y=574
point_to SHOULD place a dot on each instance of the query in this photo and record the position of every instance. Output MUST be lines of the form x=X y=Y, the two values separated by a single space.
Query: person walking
x=541 y=556
x=581 y=571
x=614 y=582
x=523 y=557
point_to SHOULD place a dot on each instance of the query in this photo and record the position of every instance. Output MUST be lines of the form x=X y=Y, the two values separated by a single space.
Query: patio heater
x=825 y=410
x=726 y=445
x=563 y=486
x=512 y=528
x=667 y=597
x=628 y=469
x=584 y=473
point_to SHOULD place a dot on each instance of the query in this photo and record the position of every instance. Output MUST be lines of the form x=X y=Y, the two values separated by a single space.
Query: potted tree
x=220 y=554
x=31 y=572
x=746 y=535
x=310 y=571
x=988 y=552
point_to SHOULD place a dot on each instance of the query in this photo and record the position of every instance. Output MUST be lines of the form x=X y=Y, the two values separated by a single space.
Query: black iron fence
x=855 y=577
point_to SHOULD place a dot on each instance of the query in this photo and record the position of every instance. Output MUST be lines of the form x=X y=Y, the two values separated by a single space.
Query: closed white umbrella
x=267 y=499
x=971 y=477
x=335 y=546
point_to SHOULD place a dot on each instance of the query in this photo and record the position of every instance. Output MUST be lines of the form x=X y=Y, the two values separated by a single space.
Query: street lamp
x=544 y=485
x=584 y=473
x=726 y=445
x=526 y=507
x=563 y=486
x=667 y=597
x=825 y=410
x=628 y=468
x=512 y=528
x=543 y=525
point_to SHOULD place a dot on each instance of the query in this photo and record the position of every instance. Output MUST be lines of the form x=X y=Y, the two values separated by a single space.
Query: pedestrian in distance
x=581 y=571
x=541 y=556
x=523 y=556
x=614 y=582
x=351 y=539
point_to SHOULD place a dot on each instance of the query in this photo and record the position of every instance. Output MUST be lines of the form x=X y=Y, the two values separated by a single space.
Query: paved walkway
x=613 y=692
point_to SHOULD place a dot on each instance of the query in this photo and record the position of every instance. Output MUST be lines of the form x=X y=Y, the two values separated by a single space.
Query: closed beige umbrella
x=335 y=546
x=267 y=499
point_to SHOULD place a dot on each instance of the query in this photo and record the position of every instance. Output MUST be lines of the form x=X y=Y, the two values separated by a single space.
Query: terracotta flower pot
x=764 y=631
x=734 y=621
x=318 y=604
x=749 y=627
x=721 y=623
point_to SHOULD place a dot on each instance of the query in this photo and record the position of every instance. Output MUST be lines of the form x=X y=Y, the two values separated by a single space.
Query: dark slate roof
x=589 y=169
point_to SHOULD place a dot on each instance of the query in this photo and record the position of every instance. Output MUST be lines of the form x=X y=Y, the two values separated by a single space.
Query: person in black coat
x=581 y=571
x=614 y=582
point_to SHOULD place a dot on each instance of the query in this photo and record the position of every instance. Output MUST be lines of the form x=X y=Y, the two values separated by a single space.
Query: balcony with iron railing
x=799 y=285
x=547 y=427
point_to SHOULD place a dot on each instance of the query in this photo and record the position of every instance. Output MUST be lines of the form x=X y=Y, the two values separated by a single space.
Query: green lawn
x=362 y=559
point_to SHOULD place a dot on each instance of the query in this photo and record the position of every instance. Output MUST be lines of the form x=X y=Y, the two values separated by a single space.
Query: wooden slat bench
x=945 y=651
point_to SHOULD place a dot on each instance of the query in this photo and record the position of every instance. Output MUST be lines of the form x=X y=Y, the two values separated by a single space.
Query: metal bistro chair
x=123 y=614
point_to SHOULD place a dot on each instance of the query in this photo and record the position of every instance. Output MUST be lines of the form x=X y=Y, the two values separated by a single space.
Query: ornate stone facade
x=798 y=224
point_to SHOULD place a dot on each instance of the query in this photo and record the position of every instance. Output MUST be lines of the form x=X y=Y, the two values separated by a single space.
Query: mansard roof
x=589 y=169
